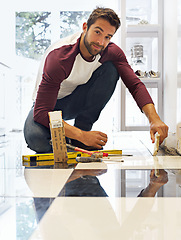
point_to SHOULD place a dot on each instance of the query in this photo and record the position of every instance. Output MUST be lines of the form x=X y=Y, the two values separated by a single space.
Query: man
x=79 y=77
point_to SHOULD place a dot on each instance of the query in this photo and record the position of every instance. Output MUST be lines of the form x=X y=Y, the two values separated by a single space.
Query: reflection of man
x=79 y=77
x=85 y=183
x=155 y=183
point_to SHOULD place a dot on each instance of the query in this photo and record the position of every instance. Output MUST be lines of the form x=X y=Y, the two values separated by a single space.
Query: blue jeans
x=84 y=105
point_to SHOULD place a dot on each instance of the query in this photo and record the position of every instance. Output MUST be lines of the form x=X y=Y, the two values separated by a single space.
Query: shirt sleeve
x=53 y=75
x=129 y=78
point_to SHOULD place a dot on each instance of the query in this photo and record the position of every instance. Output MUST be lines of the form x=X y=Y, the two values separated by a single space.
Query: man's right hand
x=95 y=139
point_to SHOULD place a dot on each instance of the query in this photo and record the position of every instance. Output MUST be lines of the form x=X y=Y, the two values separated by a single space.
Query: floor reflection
x=122 y=183
x=41 y=206
x=84 y=183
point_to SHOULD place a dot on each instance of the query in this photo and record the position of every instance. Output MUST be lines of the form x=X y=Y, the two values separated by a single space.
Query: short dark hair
x=105 y=13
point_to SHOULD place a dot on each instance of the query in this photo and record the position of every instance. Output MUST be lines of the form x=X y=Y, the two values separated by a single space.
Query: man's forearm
x=72 y=132
x=150 y=112
x=156 y=125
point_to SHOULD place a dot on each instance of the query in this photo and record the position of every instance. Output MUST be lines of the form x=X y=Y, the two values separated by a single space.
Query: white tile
x=92 y=165
x=32 y=182
x=149 y=218
x=13 y=183
x=95 y=218
x=150 y=162
x=79 y=218
x=169 y=162
x=88 y=218
x=46 y=182
x=131 y=162
x=135 y=162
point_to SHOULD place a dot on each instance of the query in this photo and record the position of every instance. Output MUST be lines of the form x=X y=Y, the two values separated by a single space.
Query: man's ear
x=84 y=27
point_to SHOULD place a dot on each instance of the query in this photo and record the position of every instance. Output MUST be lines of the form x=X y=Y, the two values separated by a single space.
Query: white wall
x=34 y=5
x=7 y=41
x=179 y=81
x=172 y=73
x=170 y=64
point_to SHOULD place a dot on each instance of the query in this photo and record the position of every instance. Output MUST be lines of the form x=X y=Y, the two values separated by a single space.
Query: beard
x=90 y=47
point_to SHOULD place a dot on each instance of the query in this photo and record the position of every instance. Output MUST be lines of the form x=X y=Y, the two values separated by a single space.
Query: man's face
x=97 y=37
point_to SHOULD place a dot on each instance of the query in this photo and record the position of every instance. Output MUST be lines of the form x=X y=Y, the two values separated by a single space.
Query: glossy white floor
x=91 y=200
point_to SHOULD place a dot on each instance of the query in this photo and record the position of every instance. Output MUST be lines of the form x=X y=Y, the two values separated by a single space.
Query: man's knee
x=37 y=141
x=36 y=136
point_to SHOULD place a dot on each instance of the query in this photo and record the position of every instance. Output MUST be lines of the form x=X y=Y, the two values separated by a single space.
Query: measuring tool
x=48 y=158
x=71 y=155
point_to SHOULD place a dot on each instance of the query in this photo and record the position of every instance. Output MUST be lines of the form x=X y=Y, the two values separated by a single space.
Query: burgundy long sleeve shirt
x=65 y=68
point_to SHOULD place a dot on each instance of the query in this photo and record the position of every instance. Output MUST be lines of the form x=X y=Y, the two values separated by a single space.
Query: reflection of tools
x=38 y=163
x=155 y=151
x=93 y=154
x=157 y=170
